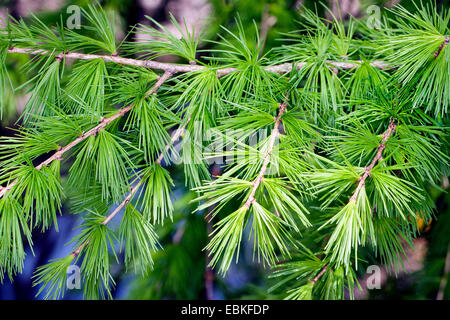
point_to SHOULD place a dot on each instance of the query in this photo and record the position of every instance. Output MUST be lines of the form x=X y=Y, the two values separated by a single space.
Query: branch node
x=443 y=44
x=60 y=56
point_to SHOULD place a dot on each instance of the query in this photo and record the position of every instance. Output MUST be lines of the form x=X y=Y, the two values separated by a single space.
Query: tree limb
x=320 y=274
x=273 y=136
x=378 y=156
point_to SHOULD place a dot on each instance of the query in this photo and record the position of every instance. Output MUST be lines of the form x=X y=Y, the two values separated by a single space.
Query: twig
x=166 y=75
x=267 y=22
x=174 y=68
x=378 y=156
x=273 y=136
x=178 y=133
x=320 y=274
x=169 y=69
x=121 y=205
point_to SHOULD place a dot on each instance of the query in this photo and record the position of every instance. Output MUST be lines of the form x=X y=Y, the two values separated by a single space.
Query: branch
x=320 y=274
x=378 y=156
x=180 y=131
x=105 y=121
x=176 y=68
x=273 y=136
x=173 y=68
x=169 y=69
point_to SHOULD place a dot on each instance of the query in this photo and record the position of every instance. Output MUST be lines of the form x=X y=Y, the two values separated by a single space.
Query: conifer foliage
x=329 y=145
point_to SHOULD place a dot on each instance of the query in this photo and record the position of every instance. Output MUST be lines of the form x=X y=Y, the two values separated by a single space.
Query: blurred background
x=180 y=269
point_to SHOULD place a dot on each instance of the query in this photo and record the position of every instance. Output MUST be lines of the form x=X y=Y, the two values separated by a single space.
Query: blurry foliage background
x=180 y=269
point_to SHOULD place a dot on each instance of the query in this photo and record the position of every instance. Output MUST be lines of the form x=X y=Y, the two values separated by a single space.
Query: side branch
x=378 y=156
x=178 y=133
x=320 y=274
x=273 y=136
x=92 y=132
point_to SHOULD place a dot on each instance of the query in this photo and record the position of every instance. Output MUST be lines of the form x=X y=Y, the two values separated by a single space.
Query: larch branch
x=378 y=156
x=320 y=274
x=273 y=137
x=178 y=133
x=177 y=68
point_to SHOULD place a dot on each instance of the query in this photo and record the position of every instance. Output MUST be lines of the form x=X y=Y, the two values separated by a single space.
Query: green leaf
x=301 y=293
x=353 y=226
x=97 y=239
x=217 y=193
x=45 y=90
x=102 y=34
x=250 y=78
x=86 y=88
x=226 y=240
x=42 y=193
x=140 y=240
x=13 y=228
x=389 y=240
x=268 y=233
x=364 y=79
x=103 y=158
x=334 y=284
x=412 y=46
x=164 y=42
x=301 y=267
x=51 y=278
x=148 y=116
x=393 y=196
x=333 y=182
x=201 y=95
x=156 y=199
x=286 y=205
x=3 y=77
